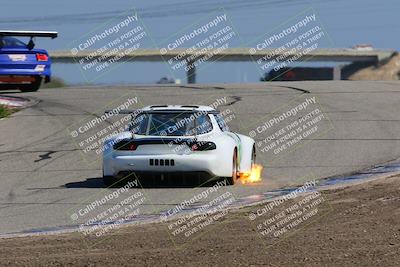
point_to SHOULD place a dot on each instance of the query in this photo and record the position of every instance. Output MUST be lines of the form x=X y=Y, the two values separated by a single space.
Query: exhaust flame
x=253 y=176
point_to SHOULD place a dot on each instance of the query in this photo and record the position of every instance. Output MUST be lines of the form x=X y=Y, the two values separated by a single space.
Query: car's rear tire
x=33 y=87
x=108 y=180
x=234 y=177
x=253 y=157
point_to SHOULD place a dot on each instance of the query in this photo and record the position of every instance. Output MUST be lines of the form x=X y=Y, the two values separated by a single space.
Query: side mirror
x=31 y=44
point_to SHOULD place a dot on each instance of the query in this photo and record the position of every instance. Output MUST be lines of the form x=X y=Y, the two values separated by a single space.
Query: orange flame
x=253 y=176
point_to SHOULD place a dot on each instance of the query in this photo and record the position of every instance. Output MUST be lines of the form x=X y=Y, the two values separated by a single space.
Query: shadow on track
x=88 y=183
x=97 y=182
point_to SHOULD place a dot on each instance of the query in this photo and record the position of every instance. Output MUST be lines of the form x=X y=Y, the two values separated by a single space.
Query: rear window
x=171 y=124
x=6 y=41
x=221 y=122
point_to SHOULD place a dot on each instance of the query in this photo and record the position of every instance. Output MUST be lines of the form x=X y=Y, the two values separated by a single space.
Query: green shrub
x=5 y=111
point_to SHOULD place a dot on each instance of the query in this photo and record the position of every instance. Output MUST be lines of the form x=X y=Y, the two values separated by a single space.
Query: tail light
x=132 y=147
x=202 y=146
x=42 y=57
x=126 y=145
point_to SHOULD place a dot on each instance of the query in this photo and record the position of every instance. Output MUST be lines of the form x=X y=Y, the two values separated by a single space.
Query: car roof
x=167 y=108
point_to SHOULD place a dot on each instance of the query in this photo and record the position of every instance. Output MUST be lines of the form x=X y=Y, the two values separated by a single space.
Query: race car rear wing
x=50 y=34
x=139 y=111
x=123 y=111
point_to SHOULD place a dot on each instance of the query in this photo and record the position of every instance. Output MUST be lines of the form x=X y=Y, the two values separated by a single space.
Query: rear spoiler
x=139 y=111
x=122 y=111
x=31 y=34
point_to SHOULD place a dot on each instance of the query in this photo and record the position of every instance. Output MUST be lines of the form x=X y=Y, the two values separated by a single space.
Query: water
x=346 y=22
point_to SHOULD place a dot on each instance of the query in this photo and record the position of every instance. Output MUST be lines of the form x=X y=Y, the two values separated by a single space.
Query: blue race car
x=21 y=66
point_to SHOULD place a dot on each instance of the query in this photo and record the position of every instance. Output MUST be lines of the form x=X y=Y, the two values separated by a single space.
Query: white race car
x=177 y=141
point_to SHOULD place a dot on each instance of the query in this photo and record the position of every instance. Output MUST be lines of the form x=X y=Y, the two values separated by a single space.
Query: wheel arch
x=247 y=145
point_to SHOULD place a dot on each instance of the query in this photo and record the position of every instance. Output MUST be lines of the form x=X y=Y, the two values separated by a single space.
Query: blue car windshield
x=171 y=124
x=6 y=41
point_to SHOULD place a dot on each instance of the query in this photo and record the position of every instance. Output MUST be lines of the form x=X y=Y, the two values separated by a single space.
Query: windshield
x=6 y=41
x=171 y=124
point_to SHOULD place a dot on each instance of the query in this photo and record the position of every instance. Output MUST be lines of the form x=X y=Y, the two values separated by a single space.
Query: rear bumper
x=40 y=71
x=17 y=79
x=165 y=164
x=32 y=70
x=166 y=176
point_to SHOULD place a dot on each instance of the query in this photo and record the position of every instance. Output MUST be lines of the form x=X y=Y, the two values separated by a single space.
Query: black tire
x=253 y=156
x=108 y=180
x=234 y=177
x=33 y=87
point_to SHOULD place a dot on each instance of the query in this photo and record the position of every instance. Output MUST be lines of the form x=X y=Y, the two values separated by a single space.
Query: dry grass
x=387 y=71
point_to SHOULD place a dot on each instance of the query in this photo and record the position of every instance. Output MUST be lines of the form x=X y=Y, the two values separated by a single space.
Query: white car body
x=210 y=152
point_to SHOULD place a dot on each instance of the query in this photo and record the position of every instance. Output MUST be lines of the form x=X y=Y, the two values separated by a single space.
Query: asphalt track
x=45 y=177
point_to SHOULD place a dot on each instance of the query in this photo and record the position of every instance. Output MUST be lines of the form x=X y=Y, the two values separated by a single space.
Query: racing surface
x=44 y=175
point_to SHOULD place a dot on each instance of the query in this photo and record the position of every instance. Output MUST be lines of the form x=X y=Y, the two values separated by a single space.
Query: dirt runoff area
x=354 y=226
